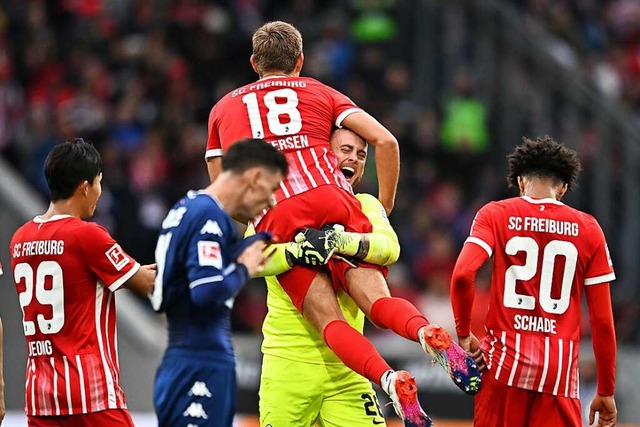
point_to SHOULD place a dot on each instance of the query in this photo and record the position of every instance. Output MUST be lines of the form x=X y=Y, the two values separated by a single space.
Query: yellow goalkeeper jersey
x=288 y=335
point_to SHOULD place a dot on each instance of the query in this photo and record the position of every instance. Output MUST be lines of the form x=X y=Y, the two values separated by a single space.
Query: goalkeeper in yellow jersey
x=303 y=382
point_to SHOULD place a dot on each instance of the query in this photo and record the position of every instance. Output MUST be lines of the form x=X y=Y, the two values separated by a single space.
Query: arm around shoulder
x=387 y=154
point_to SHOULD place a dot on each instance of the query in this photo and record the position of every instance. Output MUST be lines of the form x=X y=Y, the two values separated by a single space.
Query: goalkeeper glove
x=311 y=247
x=346 y=243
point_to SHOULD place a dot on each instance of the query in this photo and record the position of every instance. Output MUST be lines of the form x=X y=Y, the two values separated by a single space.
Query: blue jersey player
x=202 y=264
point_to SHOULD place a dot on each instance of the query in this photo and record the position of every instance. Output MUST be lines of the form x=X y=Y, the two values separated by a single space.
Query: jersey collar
x=38 y=219
x=541 y=201
x=274 y=77
x=212 y=197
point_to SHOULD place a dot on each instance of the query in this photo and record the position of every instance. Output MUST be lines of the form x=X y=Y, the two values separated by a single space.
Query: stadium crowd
x=138 y=78
x=601 y=36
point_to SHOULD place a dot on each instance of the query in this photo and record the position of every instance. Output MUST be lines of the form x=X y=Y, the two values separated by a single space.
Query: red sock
x=355 y=351
x=399 y=315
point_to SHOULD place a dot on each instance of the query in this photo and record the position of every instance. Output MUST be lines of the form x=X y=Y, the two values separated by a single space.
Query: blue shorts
x=195 y=388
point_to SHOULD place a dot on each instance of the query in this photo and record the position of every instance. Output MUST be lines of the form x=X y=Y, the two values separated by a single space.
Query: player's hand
x=253 y=257
x=312 y=247
x=471 y=345
x=240 y=246
x=605 y=406
x=143 y=281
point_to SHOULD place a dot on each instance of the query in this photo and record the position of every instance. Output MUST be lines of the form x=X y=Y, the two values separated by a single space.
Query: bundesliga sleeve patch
x=209 y=254
x=117 y=257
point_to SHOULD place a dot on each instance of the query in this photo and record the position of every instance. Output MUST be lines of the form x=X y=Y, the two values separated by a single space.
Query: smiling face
x=351 y=151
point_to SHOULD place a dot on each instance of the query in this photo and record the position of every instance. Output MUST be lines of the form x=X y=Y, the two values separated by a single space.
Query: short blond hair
x=276 y=47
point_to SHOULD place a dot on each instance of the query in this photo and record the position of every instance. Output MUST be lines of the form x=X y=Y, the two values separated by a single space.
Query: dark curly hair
x=546 y=158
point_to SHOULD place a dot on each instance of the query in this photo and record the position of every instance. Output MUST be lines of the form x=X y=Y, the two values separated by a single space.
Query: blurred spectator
x=464 y=133
x=373 y=22
x=464 y=125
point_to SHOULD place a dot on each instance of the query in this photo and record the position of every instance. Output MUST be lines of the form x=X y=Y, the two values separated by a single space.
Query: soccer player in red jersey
x=66 y=271
x=544 y=255
x=297 y=114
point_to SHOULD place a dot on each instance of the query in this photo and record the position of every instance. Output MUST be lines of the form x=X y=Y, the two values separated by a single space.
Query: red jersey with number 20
x=66 y=271
x=296 y=115
x=544 y=253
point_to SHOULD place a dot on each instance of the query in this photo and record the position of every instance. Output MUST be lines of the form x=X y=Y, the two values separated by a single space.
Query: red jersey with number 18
x=544 y=253
x=66 y=271
x=296 y=115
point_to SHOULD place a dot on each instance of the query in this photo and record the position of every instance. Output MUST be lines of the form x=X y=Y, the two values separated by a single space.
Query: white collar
x=38 y=219
x=541 y=201
x=275 y=76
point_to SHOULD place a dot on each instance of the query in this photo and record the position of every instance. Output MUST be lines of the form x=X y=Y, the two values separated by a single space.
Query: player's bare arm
x=141 y=282
x=214 y=167
x=387 y=157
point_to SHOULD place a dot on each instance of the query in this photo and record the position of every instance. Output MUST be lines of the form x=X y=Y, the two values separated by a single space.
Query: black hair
x=68 y=165
x=546 y=158
x=248 y=153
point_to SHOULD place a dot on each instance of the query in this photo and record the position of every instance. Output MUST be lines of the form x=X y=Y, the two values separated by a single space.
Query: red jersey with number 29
x=66 y=270
x=544 y=253
x=296 y=115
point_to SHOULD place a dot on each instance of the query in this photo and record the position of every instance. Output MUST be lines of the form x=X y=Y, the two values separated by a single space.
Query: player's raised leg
x=403 y=318
x=321 y=310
